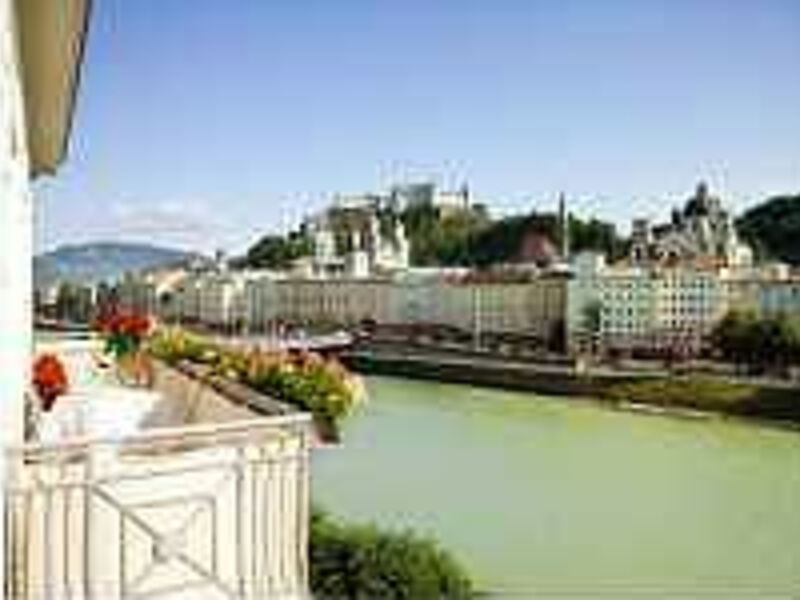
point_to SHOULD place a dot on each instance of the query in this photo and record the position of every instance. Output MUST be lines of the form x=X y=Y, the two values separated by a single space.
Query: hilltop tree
x=773 y=228
x=443 y=240
x=277 y=251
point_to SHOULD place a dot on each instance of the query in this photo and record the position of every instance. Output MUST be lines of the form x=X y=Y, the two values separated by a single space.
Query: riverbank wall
x=651 y=392
x=551 y=380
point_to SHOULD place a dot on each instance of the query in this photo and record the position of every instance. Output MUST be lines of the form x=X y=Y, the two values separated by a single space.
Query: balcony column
x=16 y=327
x=16 y=261
x=15 y=330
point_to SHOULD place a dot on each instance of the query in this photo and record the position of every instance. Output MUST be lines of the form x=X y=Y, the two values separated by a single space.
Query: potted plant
x=49 y=379
x=124 y=334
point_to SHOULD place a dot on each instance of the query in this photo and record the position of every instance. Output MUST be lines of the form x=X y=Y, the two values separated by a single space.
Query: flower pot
x=48 y=398
x=135 y=369
x=326 y=430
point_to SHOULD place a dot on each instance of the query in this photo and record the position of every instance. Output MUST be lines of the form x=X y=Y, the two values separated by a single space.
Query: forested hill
x=469 y=237
x=773 y=228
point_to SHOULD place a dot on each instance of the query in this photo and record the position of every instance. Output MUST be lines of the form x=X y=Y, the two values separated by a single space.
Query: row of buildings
x=677 y=281
x=256 y=301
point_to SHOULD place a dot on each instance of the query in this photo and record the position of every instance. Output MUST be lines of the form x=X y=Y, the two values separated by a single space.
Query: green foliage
x=471 y=238
x=592 y=314
x=500 y=242
x=595 y=235
x=321 y=387
x=700 y=393
x=438 y=239
x=772 y=341
x=68 y=302
x=773 y=228
x=355 y=562
x=173 y=345
x=277 y=252
x=468 y=237
x=711 y=395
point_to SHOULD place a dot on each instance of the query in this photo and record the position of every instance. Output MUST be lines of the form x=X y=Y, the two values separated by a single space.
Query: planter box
x=193 y=394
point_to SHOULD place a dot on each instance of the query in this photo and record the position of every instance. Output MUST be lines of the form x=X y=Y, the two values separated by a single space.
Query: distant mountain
x=773 y=228
x=101 y=261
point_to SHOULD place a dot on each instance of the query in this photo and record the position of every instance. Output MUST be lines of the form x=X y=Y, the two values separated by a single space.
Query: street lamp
x=476 y=316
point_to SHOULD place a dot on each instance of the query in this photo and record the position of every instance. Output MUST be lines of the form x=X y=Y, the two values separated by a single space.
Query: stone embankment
x=647 y=392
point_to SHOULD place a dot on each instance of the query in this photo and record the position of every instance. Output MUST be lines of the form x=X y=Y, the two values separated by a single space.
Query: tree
x=792 y=328
x=277 y=251
x=591 y=321
x=443 y=240
x=592 y=315
x=781 y=335
x=769 y=342
x=501 y=241
x=595 y=235
x=773 y=227
x=466 y=237
x=735 y=336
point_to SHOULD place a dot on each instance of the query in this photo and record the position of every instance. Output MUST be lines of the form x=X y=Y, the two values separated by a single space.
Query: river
x=563 y=497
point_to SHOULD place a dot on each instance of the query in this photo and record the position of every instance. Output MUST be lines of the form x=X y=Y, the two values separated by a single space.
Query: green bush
x=713 y=395
x=763 y=343
x=174 y=345
x=355 y=562
x=691 y=392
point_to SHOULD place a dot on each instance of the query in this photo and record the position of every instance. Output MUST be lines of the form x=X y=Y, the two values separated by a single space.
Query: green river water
x=552 y=497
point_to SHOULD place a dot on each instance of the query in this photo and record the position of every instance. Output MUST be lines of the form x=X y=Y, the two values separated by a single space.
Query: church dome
x=700 y=204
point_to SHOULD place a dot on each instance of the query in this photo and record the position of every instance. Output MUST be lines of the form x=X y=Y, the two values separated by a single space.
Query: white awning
x=52 y=35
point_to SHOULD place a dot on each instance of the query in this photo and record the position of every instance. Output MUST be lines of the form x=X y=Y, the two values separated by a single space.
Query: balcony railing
x=201 y=511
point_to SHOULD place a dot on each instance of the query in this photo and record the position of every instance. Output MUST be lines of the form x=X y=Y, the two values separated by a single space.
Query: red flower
x=49 y=379
x=136 y=325
x=120 y=323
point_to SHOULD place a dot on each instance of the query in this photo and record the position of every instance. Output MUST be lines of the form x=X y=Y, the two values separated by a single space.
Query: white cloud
x=191 y=225
x=201 y=225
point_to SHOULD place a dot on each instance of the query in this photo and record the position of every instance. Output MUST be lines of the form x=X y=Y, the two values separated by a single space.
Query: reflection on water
x=566 y=497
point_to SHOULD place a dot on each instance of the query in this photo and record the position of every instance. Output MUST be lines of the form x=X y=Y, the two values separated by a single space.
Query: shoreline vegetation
x=358 y=561
x=687 y=395
x=695 y=396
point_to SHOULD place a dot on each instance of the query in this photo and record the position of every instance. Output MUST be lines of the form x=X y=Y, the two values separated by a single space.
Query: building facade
x=356 y=237
x=701 y=231
x=259 y=301
x=649 y=309
x=679 y=280
x=780 y=296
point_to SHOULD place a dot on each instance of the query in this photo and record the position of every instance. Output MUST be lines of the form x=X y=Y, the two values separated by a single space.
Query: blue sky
x=202 y=123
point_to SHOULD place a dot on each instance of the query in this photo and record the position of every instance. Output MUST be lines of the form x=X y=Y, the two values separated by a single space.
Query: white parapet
x=204 y=511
